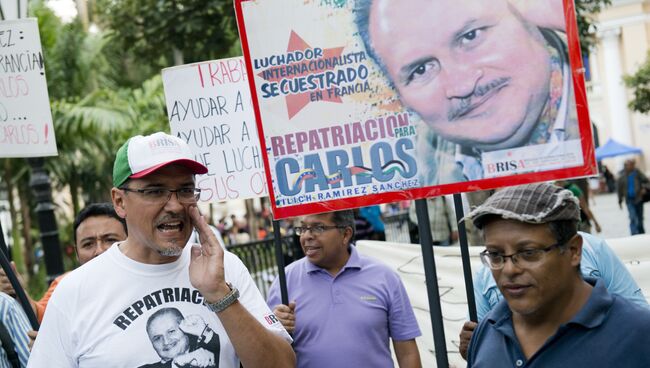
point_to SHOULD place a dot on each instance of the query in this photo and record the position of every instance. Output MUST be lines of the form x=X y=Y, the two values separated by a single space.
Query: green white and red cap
x=142 y=155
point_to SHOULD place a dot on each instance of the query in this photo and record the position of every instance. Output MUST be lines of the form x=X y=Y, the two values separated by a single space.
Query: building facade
x=623 y=31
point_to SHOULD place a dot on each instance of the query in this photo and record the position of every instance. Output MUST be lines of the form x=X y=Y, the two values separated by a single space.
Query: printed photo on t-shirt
x=182 y=341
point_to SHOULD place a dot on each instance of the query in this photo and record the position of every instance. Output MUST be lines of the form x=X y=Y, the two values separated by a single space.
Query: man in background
x=95 y=229
x=344 y=307
x=442 y=220
x=374 y=216
x=632 y=185
x=586 y=216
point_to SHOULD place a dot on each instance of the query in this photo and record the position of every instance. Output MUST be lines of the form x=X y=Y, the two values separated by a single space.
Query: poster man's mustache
x=466 y=104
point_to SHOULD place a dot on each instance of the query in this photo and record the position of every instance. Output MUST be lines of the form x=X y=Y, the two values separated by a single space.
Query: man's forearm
x=409 y=361
x=255 y=345
x=407 y=354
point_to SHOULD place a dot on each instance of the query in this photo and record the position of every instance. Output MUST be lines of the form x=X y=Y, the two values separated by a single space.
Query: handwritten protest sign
x=209 y=106
x=26 y=128
x=14 y=9
x=365 y=102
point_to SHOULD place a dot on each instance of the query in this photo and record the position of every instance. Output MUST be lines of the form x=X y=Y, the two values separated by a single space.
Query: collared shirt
x=608 y=331
x=17 y=324
x=346 y=320
x=598 y=260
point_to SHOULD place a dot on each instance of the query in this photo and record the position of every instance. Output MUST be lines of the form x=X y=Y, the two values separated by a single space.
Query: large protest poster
x=26 y=128
x=372 y=101
x=209 y=107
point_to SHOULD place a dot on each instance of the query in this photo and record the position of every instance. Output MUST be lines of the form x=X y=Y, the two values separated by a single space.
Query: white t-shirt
x=98 y=315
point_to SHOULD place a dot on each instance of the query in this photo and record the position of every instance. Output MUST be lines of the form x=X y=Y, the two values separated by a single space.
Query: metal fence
x=259 y=258
x=398 y=227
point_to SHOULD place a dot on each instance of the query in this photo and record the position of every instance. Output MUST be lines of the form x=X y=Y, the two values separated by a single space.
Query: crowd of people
x=156 y=286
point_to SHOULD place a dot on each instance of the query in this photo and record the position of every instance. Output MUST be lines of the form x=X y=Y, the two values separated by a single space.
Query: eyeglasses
x=316 y=229
x=525 y=259
x=162 y=195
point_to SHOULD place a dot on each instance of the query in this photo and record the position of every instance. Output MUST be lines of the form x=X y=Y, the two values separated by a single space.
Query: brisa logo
x=505 y=166
x=162 y=142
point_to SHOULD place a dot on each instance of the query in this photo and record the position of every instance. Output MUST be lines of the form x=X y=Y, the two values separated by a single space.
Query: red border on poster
x=589 y=167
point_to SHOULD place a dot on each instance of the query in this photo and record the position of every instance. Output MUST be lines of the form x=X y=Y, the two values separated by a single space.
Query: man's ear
x=117 y=197
x=575 y=247
x=347 y=236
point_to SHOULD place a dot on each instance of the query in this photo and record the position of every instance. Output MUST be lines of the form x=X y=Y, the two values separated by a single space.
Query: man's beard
x=174 y=251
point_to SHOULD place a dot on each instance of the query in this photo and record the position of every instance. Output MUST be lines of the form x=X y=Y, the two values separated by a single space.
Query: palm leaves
x=90 y=131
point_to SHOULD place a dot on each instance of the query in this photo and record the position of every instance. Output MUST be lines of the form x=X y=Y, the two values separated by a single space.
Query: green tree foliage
x=95 y=107
x=97 y=100
x=586 y=11
x=155 y=29
x=639 y=82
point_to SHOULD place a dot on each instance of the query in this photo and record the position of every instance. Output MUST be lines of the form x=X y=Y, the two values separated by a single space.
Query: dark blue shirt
x=631 y=193
x=609 y=331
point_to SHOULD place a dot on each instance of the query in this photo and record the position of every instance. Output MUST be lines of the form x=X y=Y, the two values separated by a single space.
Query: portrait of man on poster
x=483 y=76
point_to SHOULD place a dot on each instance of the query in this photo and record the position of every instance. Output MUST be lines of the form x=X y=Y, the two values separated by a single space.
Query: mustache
x=469 y=103
x=170 y=217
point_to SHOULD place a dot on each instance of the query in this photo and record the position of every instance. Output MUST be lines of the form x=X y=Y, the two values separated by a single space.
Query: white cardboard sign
x=26 y=128
x=209 y=107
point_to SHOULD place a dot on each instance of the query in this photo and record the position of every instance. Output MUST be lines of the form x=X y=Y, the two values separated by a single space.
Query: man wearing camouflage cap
x=551 y=315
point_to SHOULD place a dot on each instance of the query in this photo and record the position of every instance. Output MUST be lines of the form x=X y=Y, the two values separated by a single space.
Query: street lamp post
x=40 y=184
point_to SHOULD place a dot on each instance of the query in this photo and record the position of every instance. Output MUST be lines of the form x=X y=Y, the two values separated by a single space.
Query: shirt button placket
x=336 y=293
x=337 y=296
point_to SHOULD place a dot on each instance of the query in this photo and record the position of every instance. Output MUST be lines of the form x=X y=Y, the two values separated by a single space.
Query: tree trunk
x=178 y=57
x=82 y=12
x=74 y=194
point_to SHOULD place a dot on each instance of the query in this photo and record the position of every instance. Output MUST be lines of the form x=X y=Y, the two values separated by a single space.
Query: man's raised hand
x=206 y=267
